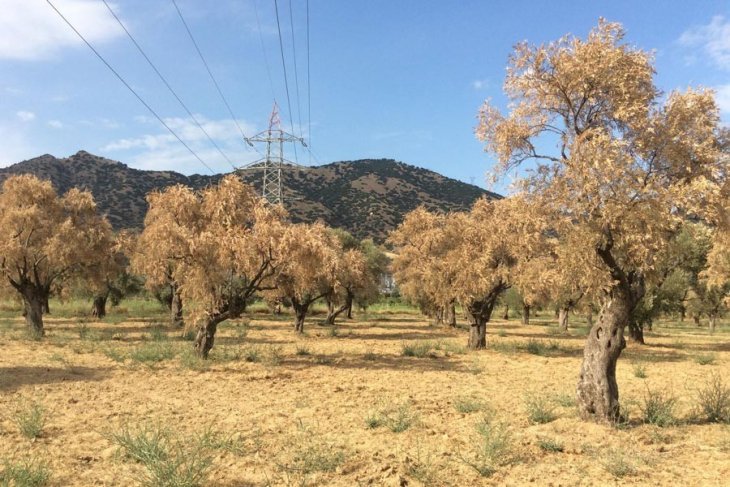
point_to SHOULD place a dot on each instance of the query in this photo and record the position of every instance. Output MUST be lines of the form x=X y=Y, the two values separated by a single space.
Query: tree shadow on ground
x=12 y=378
x=357 y=335
x=694 y=347
x=379 y=362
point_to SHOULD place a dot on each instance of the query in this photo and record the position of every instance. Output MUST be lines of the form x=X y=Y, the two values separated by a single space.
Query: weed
x=114 y=354
x=29 y=473
x=30 y=417
x=370 y=356
x=705 y=358
x=565 y=400
x=333 y=332
x=303 y=350
x=397 y=418
x=421 y=467
x=618 y=463
x=307 y=453
x=168 y=459
x=476 y=367
x=324 y=360
x=152 y=352
x=539 y=409
x=158 y=334
x=534 y=347
x=467 y=405
x=502 y=333
x=189 y=335
x=417 y=349
x=639 y=370
x=551 y=445
x=274 y=356
x=658 y=408
x=252 y=353
x=713 y=401
x=493 y=448
x=192 y=361
x=215 y=440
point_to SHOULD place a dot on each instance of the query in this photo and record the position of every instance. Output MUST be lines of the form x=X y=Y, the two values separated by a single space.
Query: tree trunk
x=450 y=315
x=46 y=306
x=696 y=319
x=348 y=302
x=526 y=314
x=300 y=312
x=597 y=389
x=505 y=315
x=98 y=307
x=713 y=322
x=477 y=333
x=589 y=317
x=205 y=337
x=176 y=308
x=33 y=312
x=636 y=332
x=333 y=313
x=682 y=313
x=478 y=314
x=438 y=316
x=563 y=315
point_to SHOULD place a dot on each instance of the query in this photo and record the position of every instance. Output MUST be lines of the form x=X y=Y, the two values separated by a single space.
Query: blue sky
x=400 y=79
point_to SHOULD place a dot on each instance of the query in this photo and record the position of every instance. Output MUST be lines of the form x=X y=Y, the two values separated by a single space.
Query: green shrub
x=658 y=408
x=705 y=358
x=713 y=400
x=417 y=349
x=158 y=334
x=168 y=459
x=397 y=418
x=114 y=354
x=539 y=409
x=30 y=417
x=370 y=356
x=618 y=463
x=639 y=371
x=29 y=473
x=303 y=350
x=467 y=405
x=551 y=445
x=565 y=400
x=252 y=353
x=492 y=449
x=152 y=352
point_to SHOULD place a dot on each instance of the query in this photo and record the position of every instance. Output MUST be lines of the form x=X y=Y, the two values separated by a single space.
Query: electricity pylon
x=273 y=161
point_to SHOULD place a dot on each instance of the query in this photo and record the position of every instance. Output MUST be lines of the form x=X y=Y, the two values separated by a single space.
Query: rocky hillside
x=366 y=197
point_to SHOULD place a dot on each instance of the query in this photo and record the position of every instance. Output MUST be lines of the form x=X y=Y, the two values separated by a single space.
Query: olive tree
x=48 y=240
x=221 y=247
x=626 y=162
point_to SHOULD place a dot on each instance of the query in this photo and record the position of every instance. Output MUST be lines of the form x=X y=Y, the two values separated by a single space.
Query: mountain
x=367 y=197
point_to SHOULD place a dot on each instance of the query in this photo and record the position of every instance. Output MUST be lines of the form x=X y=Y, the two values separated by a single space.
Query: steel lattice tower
x=273 y=161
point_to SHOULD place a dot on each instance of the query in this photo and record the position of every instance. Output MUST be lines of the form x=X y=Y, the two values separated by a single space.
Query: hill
x=366 y=197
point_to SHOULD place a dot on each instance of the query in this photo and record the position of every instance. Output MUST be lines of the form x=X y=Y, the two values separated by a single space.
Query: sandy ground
x=302 y=405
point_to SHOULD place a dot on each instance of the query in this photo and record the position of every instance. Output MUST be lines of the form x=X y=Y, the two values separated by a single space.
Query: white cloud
x=56 y=124
x=25 y=116
x=713 y=38
x=16 y=145
x=722 y=97
x=480 y=84
x=32 y=30
x=162 y=151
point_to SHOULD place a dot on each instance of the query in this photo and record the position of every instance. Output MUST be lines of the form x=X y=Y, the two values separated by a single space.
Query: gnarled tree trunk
x=333 y=312
x=713 y=323
x=526 y=314
x=450 y=314
x=34 y=300
x=300 y=312
x=205 y=336
x=636 y=331
x=98 y=306
x=505 y=315
x=478 y=314
x=589 y=317
x=563 y=315
x=176 y=308
x=597 y=388
x=696 y=319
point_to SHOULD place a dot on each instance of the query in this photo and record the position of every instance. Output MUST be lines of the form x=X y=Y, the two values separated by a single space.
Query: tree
x=351 y=275
x=47 y=240
x=466 y=257
x=625 y=160
x=220 y=246
x=115 y=281
x=310 y=270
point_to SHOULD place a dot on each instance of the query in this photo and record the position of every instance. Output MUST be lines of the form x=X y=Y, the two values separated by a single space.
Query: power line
x=309 y=94
x=286 y=79
x=152 y=65
x=210 y=73
x=296 y=75
x=101 y=58
x=263 y=48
